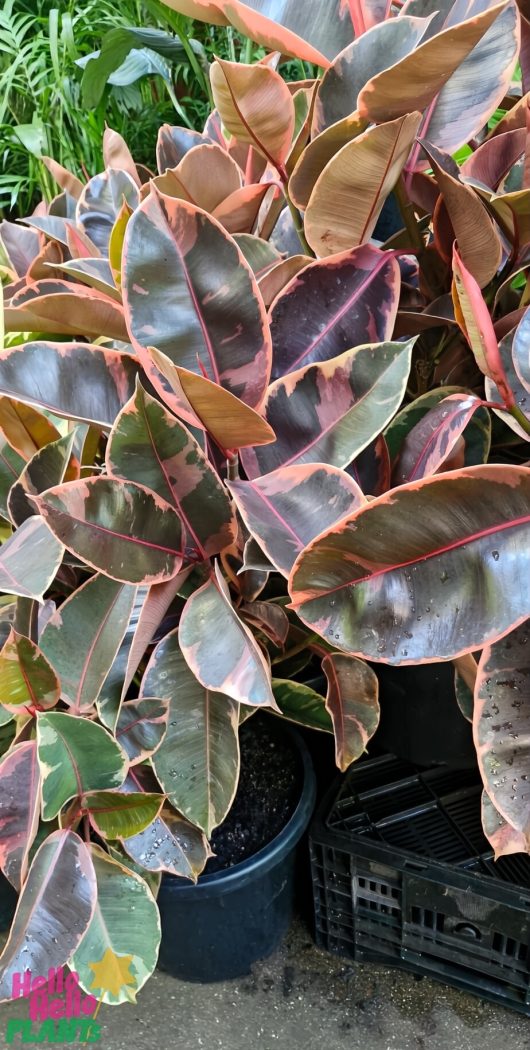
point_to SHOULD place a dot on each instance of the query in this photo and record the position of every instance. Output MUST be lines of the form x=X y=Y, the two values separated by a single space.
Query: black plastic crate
x=403 y=875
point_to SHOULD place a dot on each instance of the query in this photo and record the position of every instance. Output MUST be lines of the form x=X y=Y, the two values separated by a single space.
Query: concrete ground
x=304 y=999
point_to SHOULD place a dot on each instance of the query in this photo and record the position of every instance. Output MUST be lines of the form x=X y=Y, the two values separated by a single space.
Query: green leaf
x=125 y=925
x=117 y=814
x=54 y=911
x=149 y=446
x=197 y=763
x=301 y=704
x=98 y=614
x=116 y=46
x=76 y=756
x=26 y=676
x=122 y=529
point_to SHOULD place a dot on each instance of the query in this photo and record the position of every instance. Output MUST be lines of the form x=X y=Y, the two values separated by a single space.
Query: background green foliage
x=41 y=110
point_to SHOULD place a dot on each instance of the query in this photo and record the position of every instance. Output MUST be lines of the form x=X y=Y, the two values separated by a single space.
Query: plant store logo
x=58 y=1011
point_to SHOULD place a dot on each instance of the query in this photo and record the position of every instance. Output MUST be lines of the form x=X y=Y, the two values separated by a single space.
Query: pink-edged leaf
x=406 y=578
x=368 y=55
x=432 y=440
x=352 y=702
x=479 y=243
x=26 y=678
x=21 y=246
x=154 y=608
x=314 y=34
x=47 y=374
x=76 y=756
x=492 y=161
x=474 y=318
x=141 y=727
x=521 y=350
x=220 y=649
x=239 y=212
x=336 y=303
x=329 y=412
x=148 y=445
x=206 y=318
x=65 y=308
x=269 y=618
x=197 y=763
x=120 y=814
x=98 y=613
x=230 y=422
x=417 y=80
x=29 y=560
x=119 y=528
x=19 y=810
x=465 y=678
x=286 y=509
x=501 y=726
x=278 y=277
x=205 y=176
x=504 y=839
x=117 y=155
x=54 y=910
x=173 y=143
x=100 y=202
x=169 y=844
x=256 y=106
x=519 y=391
x=477 y=434
x=46 y=468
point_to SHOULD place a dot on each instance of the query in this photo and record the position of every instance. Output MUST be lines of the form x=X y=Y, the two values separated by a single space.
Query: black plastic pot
x=421 y=721
x=217 y=929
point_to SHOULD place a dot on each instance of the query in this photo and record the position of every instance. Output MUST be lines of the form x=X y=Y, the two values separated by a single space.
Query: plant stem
x=520 y=417
x=299 y=648
x=230 y=43
x=248 y=50
x=407 y=212
x=297 y=218
x=195 y=65
x=232 y=468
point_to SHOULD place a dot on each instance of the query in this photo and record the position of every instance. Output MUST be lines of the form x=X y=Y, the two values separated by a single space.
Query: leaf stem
x=407 y=212
x=520 y=418
x=296 y=216
x=298 y=648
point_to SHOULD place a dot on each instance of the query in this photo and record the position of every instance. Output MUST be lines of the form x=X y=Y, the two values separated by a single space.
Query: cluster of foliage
x=160 y=74
x=245 y=445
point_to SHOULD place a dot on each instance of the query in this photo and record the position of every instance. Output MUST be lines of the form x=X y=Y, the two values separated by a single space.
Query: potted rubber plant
x=228 y=387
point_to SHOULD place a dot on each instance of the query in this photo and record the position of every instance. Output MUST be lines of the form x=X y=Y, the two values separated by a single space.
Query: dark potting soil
x=270 y=784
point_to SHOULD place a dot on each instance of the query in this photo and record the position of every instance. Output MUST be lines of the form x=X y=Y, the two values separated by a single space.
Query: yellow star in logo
x=112 y=974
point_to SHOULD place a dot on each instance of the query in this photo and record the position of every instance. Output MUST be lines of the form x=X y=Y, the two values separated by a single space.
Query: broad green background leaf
x=148 y=445
x=19 y=810
x=197 y=763
x=117 y=45
x=118 y=527
x=189 y=292
x=220 y=649
x=126 y=922
x=285 y=510
x=54 y=910
x=141 y=727
x=47 y=374
x=75 y=756
x=352 y=702
x=83 y=636
x=336 y=303
x=427 y=572
x=26 y=677
x=330 y=412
